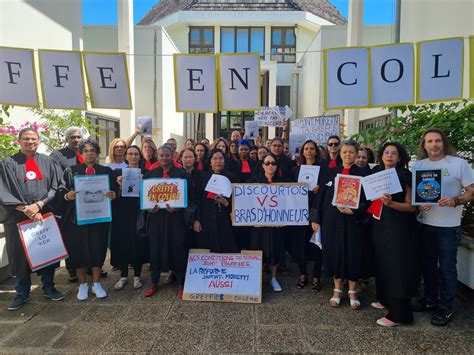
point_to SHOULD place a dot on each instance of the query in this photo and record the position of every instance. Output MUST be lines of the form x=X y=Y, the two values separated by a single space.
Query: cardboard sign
x=347 y=190
x=280 y=204
x=224 y=277
x=426 y=187
x=318 y=128
x=383 y=182
x=274 y=116
x=251 y=129
x=92 y=206
x=162 y=192
x=42 y=242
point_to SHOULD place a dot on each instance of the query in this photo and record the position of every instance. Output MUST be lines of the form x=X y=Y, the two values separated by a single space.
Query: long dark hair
x=317 y=158
x=448 y=148
x=402 y=153
x=141 y=161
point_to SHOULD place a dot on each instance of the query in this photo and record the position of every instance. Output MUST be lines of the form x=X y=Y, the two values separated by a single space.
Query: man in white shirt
x=440 y=224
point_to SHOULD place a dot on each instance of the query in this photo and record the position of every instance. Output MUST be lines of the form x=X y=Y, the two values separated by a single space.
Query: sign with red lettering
x=224 y=277
x=162 y=192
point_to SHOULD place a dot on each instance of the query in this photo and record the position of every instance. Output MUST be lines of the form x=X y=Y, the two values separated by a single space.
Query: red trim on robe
x=245 y=167
x=90 y=170
x=33 y=171
x=375 y=208
x=332 y=163
x=200 y=166
x=79 y=157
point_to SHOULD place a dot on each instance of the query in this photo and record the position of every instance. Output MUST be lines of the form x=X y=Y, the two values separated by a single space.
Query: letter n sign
x=346 y=78
x=195 y=82
x=107 y=80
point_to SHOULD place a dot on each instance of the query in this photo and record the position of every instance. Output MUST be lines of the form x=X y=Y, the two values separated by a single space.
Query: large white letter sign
x=392 y=75
x=107 y=80
x=239 y=81
x=439 y=70
x=62 y=83
x=346 y=78
x=195 y=82
x=17 y=77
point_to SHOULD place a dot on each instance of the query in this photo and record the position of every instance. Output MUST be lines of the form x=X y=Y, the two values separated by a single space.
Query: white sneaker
x=98 y=291
x=83 y=292
x=275 y=285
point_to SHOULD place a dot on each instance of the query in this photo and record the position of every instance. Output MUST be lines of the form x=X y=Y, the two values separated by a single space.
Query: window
x=103 y=131
x=243 y=39
x=228 y=121
x=373 y=122
x=282 y=99
x=283 y=48
x=201 y=40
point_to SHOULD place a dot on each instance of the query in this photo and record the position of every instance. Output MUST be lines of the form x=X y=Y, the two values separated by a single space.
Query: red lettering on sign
x=261 y=202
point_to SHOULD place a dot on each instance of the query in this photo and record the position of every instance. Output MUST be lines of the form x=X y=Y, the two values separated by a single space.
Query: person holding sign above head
x=340 y=228
x=28 y=185
x=440 y=223
x=214 y=227
x=395 y=243
x=128 y=248
x=86 y=243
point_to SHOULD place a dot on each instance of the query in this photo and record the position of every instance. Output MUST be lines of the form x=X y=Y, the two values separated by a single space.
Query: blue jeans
x=23 y=286
x=439 y=252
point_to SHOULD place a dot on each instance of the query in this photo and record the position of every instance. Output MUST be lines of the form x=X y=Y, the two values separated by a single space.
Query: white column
x=126 y=44
x=354 y=38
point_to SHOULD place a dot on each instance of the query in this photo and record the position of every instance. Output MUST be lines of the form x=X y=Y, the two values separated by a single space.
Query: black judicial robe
x=167 y=230
x=14 y=191
x=66 y=157
x=268 y=239
x=126 y=246
x=341 y=234
x=241 y=176
x=285 y=166
x=217 y=232
x=395 y=243
x=86 y=244
x=195 y=177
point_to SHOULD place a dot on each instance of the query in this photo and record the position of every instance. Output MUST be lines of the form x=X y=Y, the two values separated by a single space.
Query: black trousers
x=399 y=310
x=317 y=258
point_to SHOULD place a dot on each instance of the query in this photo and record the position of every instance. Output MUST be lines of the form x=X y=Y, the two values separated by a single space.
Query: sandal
x=316 y=285
x=377 y=305
x=355 y=303
x=301 y=282
x=335 y=301
x=120 y=283
x=385 y=322
x=137 y=283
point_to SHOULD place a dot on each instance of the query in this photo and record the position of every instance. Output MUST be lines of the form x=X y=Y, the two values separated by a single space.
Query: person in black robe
x=230 y=164
x=28 y=185
x=127 y=247
x=301 y=248
x=87 y=244
x=201 y=152
x=395 y=242
x=269 y=239
x=332 y=159
x=341 y=231
x=166 y=228
x=215 y=226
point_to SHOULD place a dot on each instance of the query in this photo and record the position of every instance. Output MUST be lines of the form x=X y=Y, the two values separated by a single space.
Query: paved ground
x=293 y=321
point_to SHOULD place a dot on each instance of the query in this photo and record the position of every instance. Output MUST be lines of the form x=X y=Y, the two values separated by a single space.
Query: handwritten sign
x=224 y=277
x=92 y=206
x=347 y=190
x=383 y=182
x=274 y=116
x=284 y=204
x=426 y=187
x=42 y=242
x=318 y=128
x=162 y=192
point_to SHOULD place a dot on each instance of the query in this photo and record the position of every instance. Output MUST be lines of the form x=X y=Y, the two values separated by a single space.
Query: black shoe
x=72 y=276
x=424 y=305
x=442 y=317
x=53 y=294
x=18 y=302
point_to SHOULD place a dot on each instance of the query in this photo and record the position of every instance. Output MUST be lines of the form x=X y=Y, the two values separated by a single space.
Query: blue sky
x=104 y=12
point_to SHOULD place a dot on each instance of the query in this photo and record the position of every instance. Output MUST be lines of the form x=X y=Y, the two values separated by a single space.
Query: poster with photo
x=426 y=187
x=92 y=206
x=347 y=190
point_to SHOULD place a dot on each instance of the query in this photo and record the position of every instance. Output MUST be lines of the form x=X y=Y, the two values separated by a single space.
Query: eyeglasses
x=333 y=144
x=267 y=163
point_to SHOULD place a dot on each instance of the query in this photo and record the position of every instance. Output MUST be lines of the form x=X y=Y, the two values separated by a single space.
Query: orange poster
x=347 y=190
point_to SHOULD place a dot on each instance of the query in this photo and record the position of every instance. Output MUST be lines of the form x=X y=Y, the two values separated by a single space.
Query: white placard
x=274 y=116
x=131 y=182
x=146 y=126
x=346 y=76
x=223 y=277
x=251 y=129
x=92 y=206
x=219 y=185
x=392 y=75
x=195 y=82
x=239 y=81
x=279 y=204
x=17 y=77
x=440 y=70
x=42 y=242
x=62 y=83
x=107 y=80
x=162 y=192
x=383 y=182
x=309 y=175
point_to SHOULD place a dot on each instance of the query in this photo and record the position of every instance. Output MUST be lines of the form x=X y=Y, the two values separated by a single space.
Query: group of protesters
x=404 y=245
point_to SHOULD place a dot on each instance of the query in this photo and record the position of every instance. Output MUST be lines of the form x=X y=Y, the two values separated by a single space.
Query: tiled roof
x=321 y=8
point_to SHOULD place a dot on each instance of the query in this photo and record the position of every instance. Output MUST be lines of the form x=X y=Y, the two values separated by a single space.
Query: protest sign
x=279 y=204
x=274 y=116
x=219 y=185
x=383 y=182
x=309 y=174
x=146 y=126
x=92 y=206
x=426 y=187
x=318 y=128
x=131 y=182
x=162 y=192
x=224 y=277
x=347 y=190
x=251 y=129
x=42 y=242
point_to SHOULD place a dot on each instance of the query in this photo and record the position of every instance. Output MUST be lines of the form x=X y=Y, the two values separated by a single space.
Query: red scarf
x=79 y=157
x=33 y=171
x=245 y=167
x=211 y=195
x=332 y=163
x=375 y=208
x=90 y=170
x=165 y=175
x=345 y=171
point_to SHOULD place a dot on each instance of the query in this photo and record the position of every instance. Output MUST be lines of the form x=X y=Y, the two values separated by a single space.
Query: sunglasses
x=267 y=163
x=333 y=144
